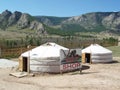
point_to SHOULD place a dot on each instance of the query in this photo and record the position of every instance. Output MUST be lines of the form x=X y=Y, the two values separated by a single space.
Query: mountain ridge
x=94 y=21
x=19 y=21
x=90 y=22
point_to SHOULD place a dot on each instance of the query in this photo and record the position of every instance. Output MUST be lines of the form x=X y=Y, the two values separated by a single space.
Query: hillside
x=20 y=23
x=97 y=22
x=23 y=24
x=51 y=20
x=107 y=22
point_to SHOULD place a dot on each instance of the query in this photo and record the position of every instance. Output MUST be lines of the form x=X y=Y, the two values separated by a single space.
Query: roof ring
x=48 y=44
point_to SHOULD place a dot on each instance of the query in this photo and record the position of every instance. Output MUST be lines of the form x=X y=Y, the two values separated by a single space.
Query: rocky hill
x=98 y=21
x=20 y=21
x=91 y=22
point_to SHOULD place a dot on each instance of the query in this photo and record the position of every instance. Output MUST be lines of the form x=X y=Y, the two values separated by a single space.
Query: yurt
x=44 y=58
x=96 y=54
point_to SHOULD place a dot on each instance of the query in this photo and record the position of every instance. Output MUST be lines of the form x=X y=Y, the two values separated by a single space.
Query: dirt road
x=98 y=77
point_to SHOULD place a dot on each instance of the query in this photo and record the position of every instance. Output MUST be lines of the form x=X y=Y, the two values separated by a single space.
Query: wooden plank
x=20 y=64
x=19 y=74
x=83 y=58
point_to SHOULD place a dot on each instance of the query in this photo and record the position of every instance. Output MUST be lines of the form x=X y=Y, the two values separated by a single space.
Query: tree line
x=10 y=47
x=69 y=41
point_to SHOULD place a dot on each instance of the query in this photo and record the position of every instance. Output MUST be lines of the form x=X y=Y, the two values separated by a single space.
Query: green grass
x=15 y=33
x=14 y=29
x=11 y=35
x=115 y=50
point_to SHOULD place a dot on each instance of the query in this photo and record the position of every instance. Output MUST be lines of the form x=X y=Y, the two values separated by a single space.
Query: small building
x=50 y=57
x=44 y=58
x=96 y=54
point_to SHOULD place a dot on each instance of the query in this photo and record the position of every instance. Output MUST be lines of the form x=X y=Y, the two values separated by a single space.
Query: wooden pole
x=28 y=65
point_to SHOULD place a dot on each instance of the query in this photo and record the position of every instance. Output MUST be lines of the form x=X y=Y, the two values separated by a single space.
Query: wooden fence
x=14 y=52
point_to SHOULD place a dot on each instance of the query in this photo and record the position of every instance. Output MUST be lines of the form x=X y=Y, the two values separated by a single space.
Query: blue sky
x=60 y=8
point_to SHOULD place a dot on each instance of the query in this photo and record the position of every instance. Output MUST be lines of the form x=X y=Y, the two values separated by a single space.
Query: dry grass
x=11 y=35
x=98 y=77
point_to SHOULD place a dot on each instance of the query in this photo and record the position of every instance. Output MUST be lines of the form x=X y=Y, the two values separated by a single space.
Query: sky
x=60 y=8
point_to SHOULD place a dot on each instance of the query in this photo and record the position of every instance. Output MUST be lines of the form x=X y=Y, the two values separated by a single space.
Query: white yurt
x=95 y=54
x=45 y=58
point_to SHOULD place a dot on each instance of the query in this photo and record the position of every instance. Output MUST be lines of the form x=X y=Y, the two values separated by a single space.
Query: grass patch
x=115 y=50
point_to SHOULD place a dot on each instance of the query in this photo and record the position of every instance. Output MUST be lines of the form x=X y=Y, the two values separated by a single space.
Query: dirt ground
x=97 y=77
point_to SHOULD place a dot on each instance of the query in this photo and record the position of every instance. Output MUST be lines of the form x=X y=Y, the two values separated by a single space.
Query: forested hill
x=95 y=21
x=51 y=20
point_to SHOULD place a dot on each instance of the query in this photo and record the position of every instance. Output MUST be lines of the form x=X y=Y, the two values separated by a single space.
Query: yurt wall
x=45 y=66
x=101 y=57
x=37 y=65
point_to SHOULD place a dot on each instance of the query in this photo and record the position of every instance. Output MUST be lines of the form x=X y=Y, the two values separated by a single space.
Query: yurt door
x=25 y=64
x=83 y=58
x=88 y=57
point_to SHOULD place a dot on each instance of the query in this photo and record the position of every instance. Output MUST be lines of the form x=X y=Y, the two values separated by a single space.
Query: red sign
x=71 y=66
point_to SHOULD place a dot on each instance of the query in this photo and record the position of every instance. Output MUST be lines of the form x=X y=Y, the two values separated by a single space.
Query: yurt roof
x=96 y=49
x=46 y=50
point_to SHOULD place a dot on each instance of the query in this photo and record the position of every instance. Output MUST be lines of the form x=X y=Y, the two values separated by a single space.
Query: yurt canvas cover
x=96 y=53
x=45 y=58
